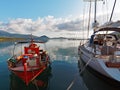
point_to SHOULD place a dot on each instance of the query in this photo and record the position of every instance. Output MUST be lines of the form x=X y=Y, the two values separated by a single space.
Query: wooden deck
x=113 y=64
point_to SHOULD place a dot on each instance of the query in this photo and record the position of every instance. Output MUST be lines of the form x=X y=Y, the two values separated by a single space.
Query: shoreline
x=5 y=39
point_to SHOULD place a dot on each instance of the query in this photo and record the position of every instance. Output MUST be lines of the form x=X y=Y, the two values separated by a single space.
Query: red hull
x=28 y=76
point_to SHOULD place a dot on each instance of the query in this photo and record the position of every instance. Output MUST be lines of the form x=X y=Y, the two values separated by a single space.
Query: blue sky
x=47 y=17
x=38 y=8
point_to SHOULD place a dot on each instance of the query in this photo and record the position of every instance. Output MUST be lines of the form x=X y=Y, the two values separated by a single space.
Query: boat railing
x=108 y=53
x=12 y=61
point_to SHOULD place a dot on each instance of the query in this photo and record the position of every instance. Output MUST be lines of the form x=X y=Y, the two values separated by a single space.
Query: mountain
x=43 y=38
x=26 y=36
x=59 y=38
x=7 y=34
x=4 y=33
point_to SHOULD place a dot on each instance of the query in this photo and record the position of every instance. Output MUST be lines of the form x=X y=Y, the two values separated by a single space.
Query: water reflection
x=40 y=83
x=63 y=50
x=63 y=54
x=5 y=46
x=94 y=82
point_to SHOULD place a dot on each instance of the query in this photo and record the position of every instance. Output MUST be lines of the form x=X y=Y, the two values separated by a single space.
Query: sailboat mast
x=95 y=11
x=95 y=21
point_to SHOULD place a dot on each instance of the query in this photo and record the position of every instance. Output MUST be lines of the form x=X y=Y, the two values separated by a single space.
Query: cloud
x=52 y=26
x=49 y=25
x=70 y=26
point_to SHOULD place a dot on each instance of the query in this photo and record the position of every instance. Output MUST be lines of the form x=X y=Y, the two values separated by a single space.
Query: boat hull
x=96 y=73
x=41 y=82
x=29 y=75
x=97 y=67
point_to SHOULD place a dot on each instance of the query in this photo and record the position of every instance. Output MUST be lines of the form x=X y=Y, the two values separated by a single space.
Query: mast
x=95 y=21
x=95 y=11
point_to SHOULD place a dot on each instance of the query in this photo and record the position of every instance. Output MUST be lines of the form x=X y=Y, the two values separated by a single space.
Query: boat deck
x=108 y=58
x=110 y=61
x=113 y=64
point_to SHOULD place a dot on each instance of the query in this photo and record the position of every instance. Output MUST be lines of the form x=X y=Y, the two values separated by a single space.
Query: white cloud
x=52 y=27
x=49 y=26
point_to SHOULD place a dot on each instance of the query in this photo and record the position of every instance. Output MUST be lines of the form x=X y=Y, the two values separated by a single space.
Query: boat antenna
x=95 y=24
x=31 y=38
x=112 y=10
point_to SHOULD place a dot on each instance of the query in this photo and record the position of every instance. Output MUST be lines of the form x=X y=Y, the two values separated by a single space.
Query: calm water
x=64 y=69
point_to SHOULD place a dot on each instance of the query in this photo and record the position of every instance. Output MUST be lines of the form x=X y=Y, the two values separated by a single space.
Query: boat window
x=110 y=37
x=98 y=39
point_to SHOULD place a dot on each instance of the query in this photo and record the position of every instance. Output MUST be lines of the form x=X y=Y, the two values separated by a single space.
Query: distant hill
x=4 y=33
x=43 y=38
x=59 y=38
x=7 y=34
x=26 y=36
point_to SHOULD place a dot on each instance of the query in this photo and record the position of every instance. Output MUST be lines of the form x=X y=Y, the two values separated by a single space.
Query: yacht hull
x=98 y=67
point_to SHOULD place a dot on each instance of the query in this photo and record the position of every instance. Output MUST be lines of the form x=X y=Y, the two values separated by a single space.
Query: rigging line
x=21 y=50
x=107 y=9
x=14 y=48
x=112 y=10
x=35 y=82
x=73 y=81
x=91 y=58
x=89 y=19
x=112 y=13
x=83 y=21
x=86 y=19
x=103 y=11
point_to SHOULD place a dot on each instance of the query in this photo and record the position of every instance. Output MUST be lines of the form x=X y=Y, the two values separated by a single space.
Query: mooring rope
x=86 y=65
x=36 y=85
x=71 y=84
x=73 y=81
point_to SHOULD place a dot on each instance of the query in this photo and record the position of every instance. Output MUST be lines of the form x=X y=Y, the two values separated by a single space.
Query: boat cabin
x=107 y=46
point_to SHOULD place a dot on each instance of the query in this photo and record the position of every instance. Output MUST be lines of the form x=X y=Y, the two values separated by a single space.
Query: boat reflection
x=39 y=83
x=93 y=81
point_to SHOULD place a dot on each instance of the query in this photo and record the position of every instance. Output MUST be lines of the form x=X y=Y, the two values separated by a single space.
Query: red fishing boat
x=31 y=61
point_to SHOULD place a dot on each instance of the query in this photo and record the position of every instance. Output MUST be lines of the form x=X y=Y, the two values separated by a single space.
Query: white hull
x=98 y=65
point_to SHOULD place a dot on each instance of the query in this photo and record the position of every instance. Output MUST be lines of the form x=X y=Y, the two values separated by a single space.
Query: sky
x=54 y=18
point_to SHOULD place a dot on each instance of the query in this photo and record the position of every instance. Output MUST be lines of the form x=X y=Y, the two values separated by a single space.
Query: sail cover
x=117 y=29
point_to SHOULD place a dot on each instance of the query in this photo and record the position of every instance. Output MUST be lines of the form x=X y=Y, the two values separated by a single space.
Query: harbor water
x=63 y=73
